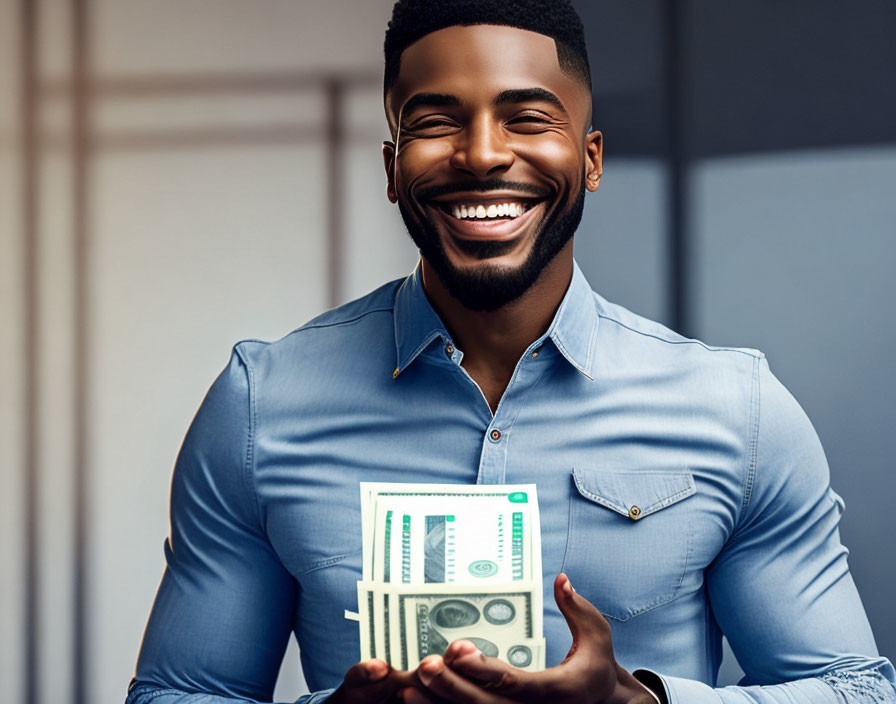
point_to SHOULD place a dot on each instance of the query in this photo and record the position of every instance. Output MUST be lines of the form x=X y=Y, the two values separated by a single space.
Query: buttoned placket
x=497 y=434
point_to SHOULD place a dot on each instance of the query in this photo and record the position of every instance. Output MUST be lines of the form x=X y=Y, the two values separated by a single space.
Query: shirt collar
x=416 y=323
x=573 y=330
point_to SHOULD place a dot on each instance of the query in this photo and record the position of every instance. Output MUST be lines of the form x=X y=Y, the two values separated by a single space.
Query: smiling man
x=682 y=490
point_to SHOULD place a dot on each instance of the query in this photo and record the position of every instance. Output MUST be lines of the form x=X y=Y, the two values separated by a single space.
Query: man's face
x=491 y=157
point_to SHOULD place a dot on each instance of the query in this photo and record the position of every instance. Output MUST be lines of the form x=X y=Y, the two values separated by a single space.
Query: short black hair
x=414 y=19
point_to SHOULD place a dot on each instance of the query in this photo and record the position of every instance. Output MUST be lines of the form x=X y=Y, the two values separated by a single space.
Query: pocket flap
x=634 y=493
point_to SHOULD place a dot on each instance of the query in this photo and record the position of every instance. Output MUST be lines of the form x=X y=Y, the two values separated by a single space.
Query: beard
x=490 y=287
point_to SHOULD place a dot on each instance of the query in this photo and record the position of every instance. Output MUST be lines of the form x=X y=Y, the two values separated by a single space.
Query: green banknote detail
x=387 y=549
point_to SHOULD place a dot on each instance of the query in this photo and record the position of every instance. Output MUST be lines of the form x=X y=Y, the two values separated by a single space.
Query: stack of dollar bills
x=447 y=561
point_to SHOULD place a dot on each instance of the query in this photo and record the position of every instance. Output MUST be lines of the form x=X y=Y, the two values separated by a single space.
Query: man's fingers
x=491 y=673
x=371 y=682
x=366 y=672
x=465 y=658
x=458 y=649
x=446 y=684
x=589 y=628
x=411 y=695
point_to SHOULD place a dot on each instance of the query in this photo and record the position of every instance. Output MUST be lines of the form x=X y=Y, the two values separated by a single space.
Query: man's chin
x=485 y=249
x=487 y=287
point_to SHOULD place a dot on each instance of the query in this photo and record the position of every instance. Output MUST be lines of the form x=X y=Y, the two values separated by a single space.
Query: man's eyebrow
x=527 y=95
x=429 y=100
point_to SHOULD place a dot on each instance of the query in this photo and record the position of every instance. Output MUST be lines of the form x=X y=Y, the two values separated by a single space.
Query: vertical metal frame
x=80 y=343
x=335 y=92
x=30 y=150
x=679 y=273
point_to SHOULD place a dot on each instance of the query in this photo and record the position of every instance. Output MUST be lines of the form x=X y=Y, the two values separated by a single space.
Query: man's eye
x=529 y=122
x=433 y=125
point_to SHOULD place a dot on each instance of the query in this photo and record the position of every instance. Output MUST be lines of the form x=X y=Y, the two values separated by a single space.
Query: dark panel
x=767 y=75
x=635 y=50
x=758 y=76
x=625 y=47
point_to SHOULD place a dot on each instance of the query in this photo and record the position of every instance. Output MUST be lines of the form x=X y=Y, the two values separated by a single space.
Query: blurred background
x=177 y=175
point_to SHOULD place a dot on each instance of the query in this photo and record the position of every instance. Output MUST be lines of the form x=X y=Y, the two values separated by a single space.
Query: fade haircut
x=414 y=19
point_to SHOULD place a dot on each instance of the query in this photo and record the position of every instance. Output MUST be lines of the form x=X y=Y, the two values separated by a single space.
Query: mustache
x=447 y=189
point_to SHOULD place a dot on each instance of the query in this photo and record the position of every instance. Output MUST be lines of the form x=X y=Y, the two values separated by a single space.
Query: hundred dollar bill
x=430 y=622
x=502 y=623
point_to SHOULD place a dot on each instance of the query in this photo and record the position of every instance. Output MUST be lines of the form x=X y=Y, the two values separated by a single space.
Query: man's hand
x=372 y=682
x=589 y=673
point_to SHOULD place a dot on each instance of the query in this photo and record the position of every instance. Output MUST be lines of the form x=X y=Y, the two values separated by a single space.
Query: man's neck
x=494 y=341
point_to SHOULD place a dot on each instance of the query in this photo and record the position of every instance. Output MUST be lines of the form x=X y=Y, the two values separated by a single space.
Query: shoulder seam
x=683 y=341
x=753 y=447
x=312 y=325
x=249 y=469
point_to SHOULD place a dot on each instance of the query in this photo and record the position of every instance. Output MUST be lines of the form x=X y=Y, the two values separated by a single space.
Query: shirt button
x=634 y=513
x=449 y=349
x=495 y=435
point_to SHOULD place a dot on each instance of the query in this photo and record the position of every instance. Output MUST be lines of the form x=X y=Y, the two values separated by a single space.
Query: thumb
x=366 y=672
x=588 y=626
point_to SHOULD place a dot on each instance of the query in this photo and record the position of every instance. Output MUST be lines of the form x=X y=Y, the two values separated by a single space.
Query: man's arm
x=781 y=588
x=224 y=610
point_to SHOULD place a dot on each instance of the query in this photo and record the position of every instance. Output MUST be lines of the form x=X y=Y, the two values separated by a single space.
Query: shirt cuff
x=651 y=693
x=681 y=691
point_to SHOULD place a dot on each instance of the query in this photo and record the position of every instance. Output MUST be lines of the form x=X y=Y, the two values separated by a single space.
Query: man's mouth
x=484 y=203
x=492 y=211
x=486 y=216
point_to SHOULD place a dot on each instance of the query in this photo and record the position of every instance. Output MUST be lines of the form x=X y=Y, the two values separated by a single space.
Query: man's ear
x=594 y=158
x=389 y=163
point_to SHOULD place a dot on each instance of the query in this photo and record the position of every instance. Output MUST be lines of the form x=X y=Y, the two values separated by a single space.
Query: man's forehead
x=480 y=56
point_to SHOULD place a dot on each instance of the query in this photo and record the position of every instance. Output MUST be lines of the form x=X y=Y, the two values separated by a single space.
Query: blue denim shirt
x=681 y=488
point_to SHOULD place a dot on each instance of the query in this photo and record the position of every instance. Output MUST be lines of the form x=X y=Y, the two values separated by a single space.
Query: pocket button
x=634 y=513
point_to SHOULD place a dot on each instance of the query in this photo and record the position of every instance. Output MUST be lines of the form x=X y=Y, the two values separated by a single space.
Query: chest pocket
x=629 y=538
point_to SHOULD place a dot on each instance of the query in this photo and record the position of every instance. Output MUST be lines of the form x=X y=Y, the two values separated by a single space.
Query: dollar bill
x=495 y=622
x=444 y=562
x=419 y=620
x=418 y=534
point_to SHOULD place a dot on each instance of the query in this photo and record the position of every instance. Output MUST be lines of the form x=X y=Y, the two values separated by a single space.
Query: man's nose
x=482 y=150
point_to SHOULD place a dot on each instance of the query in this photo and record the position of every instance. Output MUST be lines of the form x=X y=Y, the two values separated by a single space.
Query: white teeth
x=495 y=210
